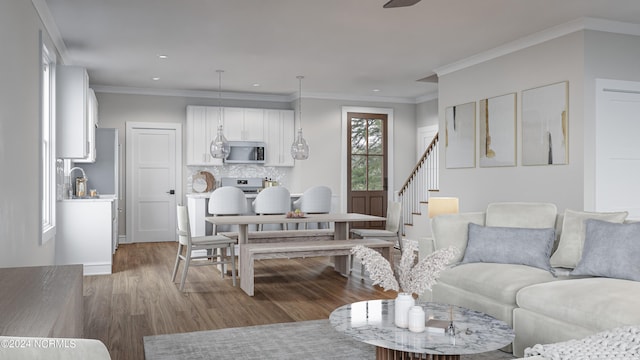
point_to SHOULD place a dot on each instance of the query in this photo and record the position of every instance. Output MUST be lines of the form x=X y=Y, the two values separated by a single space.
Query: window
x=48 y=148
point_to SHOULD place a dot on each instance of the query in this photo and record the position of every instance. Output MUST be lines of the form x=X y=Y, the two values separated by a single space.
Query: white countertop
x=206 y=195
x=106 y=197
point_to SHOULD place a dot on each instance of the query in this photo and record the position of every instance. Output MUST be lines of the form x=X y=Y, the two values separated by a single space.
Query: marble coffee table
x=372 y=322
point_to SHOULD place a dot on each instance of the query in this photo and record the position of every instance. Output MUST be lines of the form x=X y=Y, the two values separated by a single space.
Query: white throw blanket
x=622 y=343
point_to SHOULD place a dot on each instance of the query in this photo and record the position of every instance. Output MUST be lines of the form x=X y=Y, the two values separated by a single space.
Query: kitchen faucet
x=77 y=168
x=68 y=182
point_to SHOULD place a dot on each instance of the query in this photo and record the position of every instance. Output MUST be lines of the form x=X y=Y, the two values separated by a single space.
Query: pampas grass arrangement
x=409 y=278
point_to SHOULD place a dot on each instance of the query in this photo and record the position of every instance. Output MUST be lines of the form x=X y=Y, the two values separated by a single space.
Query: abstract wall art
x=460 y=136
x=498 y=131
x=545 y=125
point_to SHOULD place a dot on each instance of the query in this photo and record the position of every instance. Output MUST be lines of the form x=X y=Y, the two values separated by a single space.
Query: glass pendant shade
x=220 y=146
x=300 y=148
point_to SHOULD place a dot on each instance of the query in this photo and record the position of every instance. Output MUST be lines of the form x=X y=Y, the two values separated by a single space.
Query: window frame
x=47 y=142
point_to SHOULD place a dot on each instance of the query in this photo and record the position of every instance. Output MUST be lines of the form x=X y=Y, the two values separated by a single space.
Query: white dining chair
x=314 y=200
x=392 y=231
x=226 y=201
x=275 y=200
x=216 y=247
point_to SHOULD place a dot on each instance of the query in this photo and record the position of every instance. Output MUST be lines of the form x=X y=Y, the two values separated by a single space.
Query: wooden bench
x=277 y=236
x=251 y=252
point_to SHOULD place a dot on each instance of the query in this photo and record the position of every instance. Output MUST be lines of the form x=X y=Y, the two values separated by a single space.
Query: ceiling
x=344 y=48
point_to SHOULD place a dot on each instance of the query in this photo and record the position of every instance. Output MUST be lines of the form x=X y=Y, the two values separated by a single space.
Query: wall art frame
x=460 y=136
x=545 y=125
x=497 y=127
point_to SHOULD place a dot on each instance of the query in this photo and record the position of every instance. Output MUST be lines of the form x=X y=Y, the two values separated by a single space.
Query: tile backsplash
x=279 y=174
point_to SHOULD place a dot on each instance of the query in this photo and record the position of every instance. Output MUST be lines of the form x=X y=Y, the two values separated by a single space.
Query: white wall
x=321 y=125
x=427 y=113
x=561 y=59
x=20 y=137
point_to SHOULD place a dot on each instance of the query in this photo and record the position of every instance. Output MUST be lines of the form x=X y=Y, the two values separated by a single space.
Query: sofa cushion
x=523 y=215
x=571 y=242
x=592 y=303
x=452 y=230
x=508 y=245
x=610 y=250
x=500 y=282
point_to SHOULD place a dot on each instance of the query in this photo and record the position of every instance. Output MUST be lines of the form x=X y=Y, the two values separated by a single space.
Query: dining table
x=340 y=223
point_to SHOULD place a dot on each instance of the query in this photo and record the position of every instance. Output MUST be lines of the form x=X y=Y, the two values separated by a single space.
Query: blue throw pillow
x=506 y=245
x=610 y=250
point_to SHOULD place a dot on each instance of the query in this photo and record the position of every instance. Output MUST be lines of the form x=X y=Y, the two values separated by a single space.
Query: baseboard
x=97 y=269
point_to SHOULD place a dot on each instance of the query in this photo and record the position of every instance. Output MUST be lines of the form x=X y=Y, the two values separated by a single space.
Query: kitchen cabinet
x=202 y=127
x=274 y=127
x=74 y=127
x=279 y=135
x=92 y=123
x=85 y=234
x=244 y=124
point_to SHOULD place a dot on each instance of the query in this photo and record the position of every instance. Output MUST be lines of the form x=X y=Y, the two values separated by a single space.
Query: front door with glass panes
x=367 y=165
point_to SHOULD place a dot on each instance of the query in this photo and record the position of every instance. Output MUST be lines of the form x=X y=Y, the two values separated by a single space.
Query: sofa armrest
x=426 y=246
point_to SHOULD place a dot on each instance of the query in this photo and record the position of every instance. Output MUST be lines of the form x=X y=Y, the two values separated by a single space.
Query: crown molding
x=427 y=97
x=612 y=26
x=541 y=37
x=47 y=20
x=350 y=97
x=255 y=96
x=190 y=93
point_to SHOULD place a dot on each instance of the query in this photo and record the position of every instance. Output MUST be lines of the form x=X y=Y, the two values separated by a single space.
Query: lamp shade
x=442 y=205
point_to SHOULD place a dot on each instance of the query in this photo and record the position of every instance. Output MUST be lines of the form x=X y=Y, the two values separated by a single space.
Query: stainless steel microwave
x=246 y=152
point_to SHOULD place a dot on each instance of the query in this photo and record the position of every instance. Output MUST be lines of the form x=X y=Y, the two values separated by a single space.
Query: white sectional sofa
x=511 y=265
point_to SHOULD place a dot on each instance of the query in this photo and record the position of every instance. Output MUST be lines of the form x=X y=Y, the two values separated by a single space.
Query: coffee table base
x=389 y=354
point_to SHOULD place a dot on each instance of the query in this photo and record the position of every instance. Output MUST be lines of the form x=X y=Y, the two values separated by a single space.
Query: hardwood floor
x=139 y=299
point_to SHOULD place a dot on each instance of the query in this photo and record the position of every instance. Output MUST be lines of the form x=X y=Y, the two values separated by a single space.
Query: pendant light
x=219 y=147
x=300 y=148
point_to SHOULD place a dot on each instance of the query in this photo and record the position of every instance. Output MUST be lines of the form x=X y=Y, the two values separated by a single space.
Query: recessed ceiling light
x=375 y=90
x=256 y=85
x=163 y=56
x=155 y=78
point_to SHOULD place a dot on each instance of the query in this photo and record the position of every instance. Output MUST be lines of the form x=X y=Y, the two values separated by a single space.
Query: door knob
x=171 y=192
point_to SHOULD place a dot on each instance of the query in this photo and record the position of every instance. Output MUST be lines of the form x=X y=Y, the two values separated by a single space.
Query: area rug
x=296 y=340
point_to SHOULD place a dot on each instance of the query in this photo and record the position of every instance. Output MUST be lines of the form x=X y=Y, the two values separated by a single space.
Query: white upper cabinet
x=202 y=126
x=279 y=135
x=92 y=124
x=74 y=129
x=244 y=124
x=274 y=127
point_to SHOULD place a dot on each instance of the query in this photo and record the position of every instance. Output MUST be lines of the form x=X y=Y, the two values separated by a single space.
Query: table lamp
x=442 y=205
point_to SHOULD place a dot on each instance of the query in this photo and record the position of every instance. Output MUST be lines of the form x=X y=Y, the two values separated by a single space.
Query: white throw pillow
x=522 y=215
x=571 y=242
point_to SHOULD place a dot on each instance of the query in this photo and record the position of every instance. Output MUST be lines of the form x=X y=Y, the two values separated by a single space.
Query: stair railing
x=423 y=179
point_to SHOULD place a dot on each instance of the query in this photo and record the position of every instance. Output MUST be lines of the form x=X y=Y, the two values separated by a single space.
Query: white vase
x=403 y=303
x=416 y=319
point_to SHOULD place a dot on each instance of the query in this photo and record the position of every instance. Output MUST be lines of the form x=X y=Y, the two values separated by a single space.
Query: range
x=250 y=185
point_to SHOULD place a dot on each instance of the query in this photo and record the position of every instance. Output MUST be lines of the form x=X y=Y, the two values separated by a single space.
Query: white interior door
x=617 y=146
x=153 y=182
